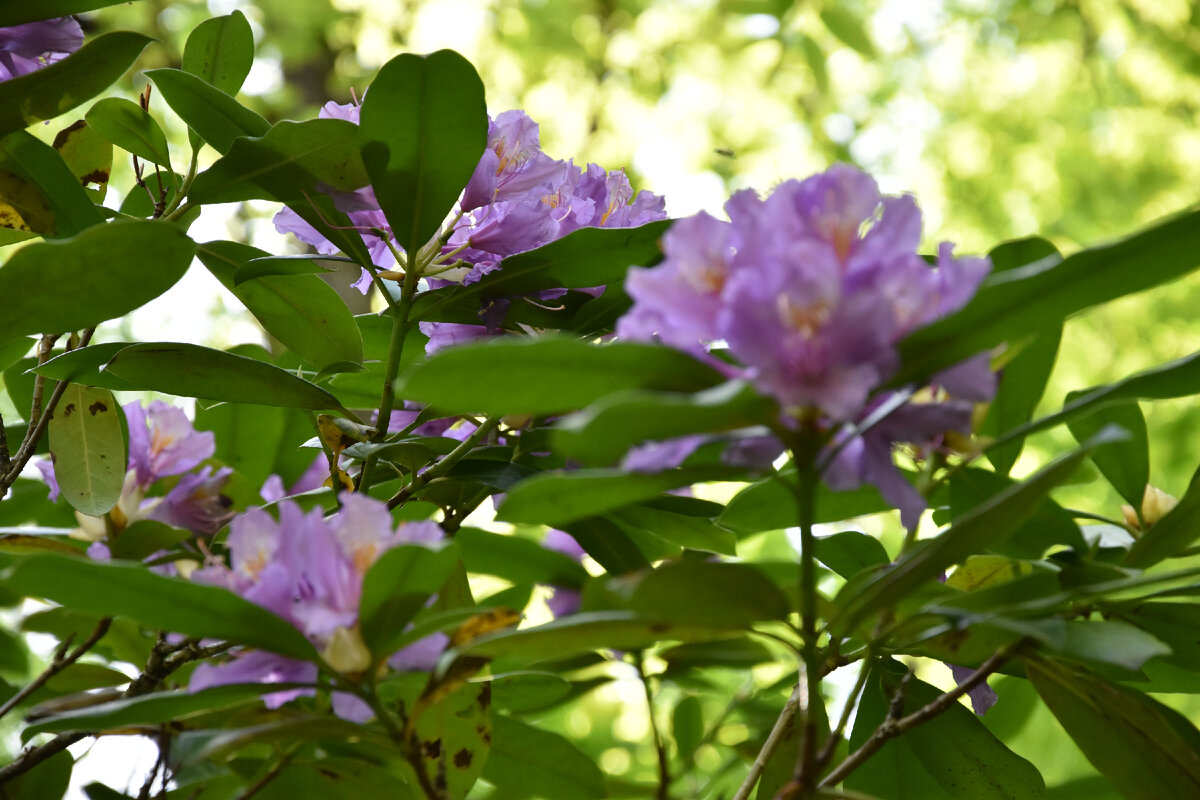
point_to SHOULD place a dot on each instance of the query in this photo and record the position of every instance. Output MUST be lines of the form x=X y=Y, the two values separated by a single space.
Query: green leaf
x=605 y=430
x=221 y=51
x=144 y=538
x=285 y=164
x=950 y=756
x=1146 y=750
x=1169 y=536
x=612 y=547
x=47 y=781
x=302 y=311
x=193 y=371
x=54 y=189
x=171 y=604
x=984 y=526
x=396 y=587
x=717 y=595
x=528 y=762
x=87 y=155
x=304 y=264
x=553 y=498
x=1126 y=464
x=1111 y=642
x=517 y=559
x=128 y=126
x=84 y=365
x=684 y=530
x=153 y=709
x=1050 y=525
x=104 y=272
x=16 y=12
x=848 y=28
x=56 y=89
x=87 y=444
x=770 y=505
x=24 y=210
x=214 y=115
x=687 y=727
x=849 y=552
x=1022 y=383
x=424 y=126
x=514 y=375
x=1014 y=303
x=528 y=691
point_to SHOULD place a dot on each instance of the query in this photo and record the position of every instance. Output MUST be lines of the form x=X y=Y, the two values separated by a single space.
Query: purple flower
x=982 y=696
x=163 y=442
x=309 y=570
x=29 y=47
x=196 y=503
x=563 y=600
x=312 y=478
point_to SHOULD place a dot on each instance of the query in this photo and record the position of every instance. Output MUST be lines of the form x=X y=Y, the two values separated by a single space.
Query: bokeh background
x=1075 y=120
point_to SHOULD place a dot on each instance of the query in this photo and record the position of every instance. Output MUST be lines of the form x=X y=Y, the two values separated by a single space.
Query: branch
x=895 y=725
x=774 y=739
x=664 y=768
x=60 y=662
x=440 y=468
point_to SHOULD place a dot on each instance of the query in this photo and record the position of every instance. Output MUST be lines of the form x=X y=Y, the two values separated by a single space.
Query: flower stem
x=809 y=683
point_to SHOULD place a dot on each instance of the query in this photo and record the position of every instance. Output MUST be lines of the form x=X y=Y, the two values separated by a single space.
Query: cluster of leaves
x=684 y=594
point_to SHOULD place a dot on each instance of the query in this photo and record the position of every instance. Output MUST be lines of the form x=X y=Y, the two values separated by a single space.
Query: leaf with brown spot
x=89 y=450
x=88 y=155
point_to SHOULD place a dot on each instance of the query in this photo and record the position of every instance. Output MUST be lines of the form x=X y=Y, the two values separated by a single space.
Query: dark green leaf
x=613 y=548
x=43 y=171
x=424 y=126
x=84 y=365
x=770 y=504
x=1146 y=750
x=514 y=375
x=87 y=443
x=193 y=371
x=215 y=116
x=144 y=538
x=104 y=272
x=302 y=311
x=684 y=530
x=150 y=709
x=517 y=559
x=1022 y=383
x=396 y=587
x=172 y=604
x=1126 y=464
x=528 y=762
x=849 y=552
x=1050 y=525
x=605 y=430
x=47 y=781
x=15 y=12
x=717 y=595
x=221 y=51
x=554 y=498
x=56 y=89
x=266 y=266
x=1014 y=303
x=984 y=526
x=128 y=126
x=687 y=727
x=528 y=691
x=1111 y=642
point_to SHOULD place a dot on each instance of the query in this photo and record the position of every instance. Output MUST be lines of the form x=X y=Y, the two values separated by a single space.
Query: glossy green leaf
x=44 y=185
x=514 y=375
x=553 y=498
x=1126 y=464
x=612 y=547
x=130 y=590
x=396 y=587
x=56 y=89
x=287 y=162
x=849 y=552
x=684 y=530
x=304 y=264
x=1146 y=750
x=150 y=709
x=1050 y=524
x=15 y=12
x=88 y=446
x=770 y=504
x=302 y=311
x=605 y=430
x=214 y=115
x=1111 y=642
x=424 y=126
x=1022 y=383
x=128 y=126
x=193 y=371
x=529 y=762
x=47 y=781
x=1014 y=303
x=84 y=364
x=717 y=595
x=517 y=559
x=950 y=756
x=221 y=51
x=102 y=273
x=984 y=526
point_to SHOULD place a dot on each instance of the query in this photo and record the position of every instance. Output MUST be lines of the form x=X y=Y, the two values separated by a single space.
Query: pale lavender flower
x=29 y=47
x=163 y=442
x=314 y=477
x=563 y=600
x=196 y=502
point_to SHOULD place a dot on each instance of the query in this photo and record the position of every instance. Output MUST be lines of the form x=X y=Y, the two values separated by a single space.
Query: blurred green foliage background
x=1075 y=120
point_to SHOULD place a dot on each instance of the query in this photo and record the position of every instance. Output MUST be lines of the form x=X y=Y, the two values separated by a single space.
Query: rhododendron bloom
x=28 y=47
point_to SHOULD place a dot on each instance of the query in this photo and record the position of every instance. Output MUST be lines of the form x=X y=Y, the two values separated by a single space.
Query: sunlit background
x=1070 y=119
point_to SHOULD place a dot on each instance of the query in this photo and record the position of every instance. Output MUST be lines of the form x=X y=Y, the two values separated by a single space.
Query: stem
x=835 y=737
x=893 y=727
x=440 y=468
x=809 y=685
x=664 y=769
x=271 y=775
x=783 y=726
x=60 y=662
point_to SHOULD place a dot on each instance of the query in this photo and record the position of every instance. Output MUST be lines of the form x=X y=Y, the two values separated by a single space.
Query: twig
x=835 y=737
x=895 y=725
x=60 y=662
x=778 y=733
x=443 y=466
x=271 y=775
x=664 y=768
x=160 y=763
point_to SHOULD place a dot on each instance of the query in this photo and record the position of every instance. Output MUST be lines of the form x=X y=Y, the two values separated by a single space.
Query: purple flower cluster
x=810 y=289
x=309 y=570
x=29 y=47
x=162 y=444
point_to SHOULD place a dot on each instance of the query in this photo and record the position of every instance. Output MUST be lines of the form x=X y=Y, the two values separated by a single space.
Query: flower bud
x=347 y=652
x=1155 y=505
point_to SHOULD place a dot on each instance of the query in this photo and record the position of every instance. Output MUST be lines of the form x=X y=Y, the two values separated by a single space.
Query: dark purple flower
x=982 y=696
x=29 y=47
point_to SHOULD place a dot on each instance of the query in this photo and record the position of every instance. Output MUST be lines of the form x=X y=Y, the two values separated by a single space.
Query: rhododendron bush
x=581 y=446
